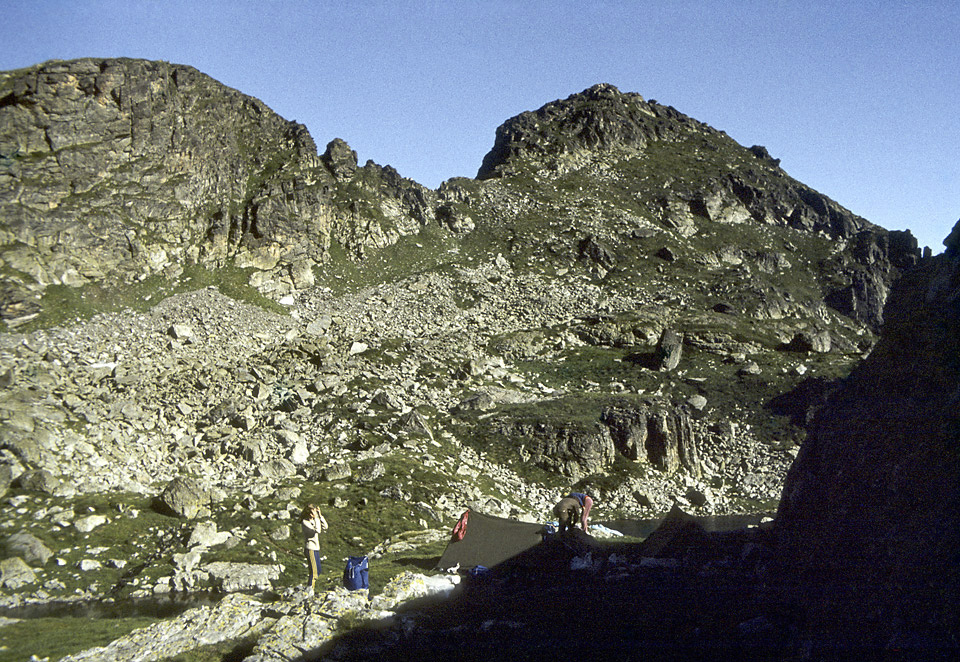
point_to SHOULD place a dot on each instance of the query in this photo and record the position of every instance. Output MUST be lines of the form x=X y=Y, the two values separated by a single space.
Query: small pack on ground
x=355 y=574
x=479 y=572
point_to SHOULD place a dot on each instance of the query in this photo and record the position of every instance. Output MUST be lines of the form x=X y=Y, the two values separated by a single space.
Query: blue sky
x=858 y=99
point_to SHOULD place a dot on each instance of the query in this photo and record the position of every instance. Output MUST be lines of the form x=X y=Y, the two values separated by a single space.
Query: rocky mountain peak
x=566 y=132
x=601 y=90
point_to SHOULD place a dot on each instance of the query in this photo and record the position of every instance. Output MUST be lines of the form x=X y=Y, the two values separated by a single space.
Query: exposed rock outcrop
x=570 y=448
x=657 y=435
x=184 y=497
x=123 y=167
x=235 y=617
x=566 y=133
x=665 y=438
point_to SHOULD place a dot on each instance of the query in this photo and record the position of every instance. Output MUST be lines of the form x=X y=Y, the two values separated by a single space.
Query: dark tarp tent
x=489 y=540
x=677 y=531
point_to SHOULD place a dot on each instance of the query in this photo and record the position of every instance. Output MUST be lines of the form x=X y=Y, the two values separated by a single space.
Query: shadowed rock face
x=873 y=499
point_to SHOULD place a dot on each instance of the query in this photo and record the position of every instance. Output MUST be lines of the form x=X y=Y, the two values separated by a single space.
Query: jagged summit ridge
x=601 y=118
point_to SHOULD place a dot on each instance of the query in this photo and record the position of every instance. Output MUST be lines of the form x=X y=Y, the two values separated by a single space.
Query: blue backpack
x=355 y=573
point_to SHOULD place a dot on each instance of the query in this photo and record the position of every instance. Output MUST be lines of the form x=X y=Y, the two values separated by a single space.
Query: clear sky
x=859 y=98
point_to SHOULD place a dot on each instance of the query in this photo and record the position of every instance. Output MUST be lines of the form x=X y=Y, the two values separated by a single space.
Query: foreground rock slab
x=236 y=616
x=285 y=630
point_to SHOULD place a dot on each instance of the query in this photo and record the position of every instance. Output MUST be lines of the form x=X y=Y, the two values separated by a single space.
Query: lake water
x=155 y=607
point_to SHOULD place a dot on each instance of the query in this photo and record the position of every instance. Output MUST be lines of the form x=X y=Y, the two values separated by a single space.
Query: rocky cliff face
x=124 y=168
x=873 y=498
x=599 y=226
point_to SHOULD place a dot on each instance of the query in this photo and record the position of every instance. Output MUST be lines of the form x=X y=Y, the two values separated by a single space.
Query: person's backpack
x=355 y=573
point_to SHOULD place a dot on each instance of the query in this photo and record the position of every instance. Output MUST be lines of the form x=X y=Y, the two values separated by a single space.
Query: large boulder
x=809 y=341
x=184 y=497
x=38 y=480
x=668 y=351
x=277 y=469
x=28 y=547
x=15 y=573
x=89 y=523
x=205 y=534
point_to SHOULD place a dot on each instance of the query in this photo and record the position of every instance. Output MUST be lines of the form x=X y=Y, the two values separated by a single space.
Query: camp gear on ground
x=355 y=574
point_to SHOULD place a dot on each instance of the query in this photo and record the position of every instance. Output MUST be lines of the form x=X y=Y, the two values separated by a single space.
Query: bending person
x=586 y=503
x=567 y=512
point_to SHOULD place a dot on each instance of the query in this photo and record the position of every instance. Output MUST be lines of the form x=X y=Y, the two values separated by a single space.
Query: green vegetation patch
x=63 y=304
x=424 y=252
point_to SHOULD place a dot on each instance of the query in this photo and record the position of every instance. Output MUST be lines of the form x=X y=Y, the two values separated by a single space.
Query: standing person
x=586 y=503
x=312 y=525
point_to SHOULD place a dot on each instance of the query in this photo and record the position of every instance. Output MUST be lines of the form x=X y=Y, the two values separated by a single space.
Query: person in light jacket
x=312 y=525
